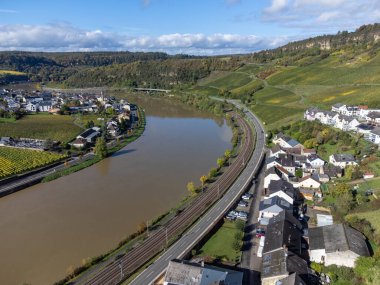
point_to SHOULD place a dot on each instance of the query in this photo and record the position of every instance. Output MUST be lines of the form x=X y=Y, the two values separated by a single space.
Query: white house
x=338 y=108
x=312 y=114
x=286 y=142
x=31 y=107
x=315 y=161
x=336 y=244
x=345 y=123
x=276 y=150
x=374 y=136
x=328 y=118
x=281 y=189
x=271 y=174
x=308 y=182
x=45 y=106
x=373 y=118
x=272 y=207
x=342 y=160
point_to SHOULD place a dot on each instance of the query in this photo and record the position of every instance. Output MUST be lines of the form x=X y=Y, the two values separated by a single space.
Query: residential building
x=90 y=135
x=336 y=244
x=342 y=160
x=373 y=118
x=308 y=181
x=282 y=189
x=286 y=142
x=374 y=136
x=271 y=174
x=315 y=161
x=282 y=263
x=180 y=272
x=273 y=206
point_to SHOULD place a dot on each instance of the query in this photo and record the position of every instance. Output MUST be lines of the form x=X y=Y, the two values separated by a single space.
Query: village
x=115 y=116
x=293 y=235
x=359 y=119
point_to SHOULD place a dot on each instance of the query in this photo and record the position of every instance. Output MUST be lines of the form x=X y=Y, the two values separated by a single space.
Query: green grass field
x=230 y=81
x=220 y=244
x=373 y=217
x=14 y=160
x=41 y=126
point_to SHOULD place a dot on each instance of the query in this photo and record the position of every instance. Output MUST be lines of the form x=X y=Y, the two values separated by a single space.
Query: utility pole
x=121 y=270
x=147 y=228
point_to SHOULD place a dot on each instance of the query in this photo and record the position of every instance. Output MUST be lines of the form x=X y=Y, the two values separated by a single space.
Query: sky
x=198 y=27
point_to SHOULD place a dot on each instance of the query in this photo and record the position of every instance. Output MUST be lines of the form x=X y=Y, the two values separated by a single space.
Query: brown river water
x=49 y=227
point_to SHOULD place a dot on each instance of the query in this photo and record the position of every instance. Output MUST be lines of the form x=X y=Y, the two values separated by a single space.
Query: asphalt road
x=207 y=222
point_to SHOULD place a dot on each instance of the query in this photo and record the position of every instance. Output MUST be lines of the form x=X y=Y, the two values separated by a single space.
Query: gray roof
x=283 y=232
x=188 y=273
x=338 y=237
x=374 y=115
x=376 y=131
x=286 y=215
x=293 y=142
x=283 y=262
x=275 y=201
x=338 y=105
x=286 y=160
x=316 y=240
x=281 y=185
x=343 y=157
x=292 y=279
x=365 y=127
x=313 y=157
x=273 y=170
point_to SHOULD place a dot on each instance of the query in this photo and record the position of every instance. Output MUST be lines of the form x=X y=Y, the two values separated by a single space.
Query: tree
x=90 y=124
x=220 y=162
x=340 y=189
x=299 y=173
x=213 y=172
x=227 y=155
x=191 y=188
x=100 y=147
x=203 y=180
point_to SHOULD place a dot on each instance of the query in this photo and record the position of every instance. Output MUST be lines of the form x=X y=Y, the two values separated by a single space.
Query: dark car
x=260 y=233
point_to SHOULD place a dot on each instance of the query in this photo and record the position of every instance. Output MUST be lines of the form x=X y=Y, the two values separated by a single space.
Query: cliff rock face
x=364 y=35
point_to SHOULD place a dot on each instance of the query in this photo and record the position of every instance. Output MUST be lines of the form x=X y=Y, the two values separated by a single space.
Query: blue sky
x=175 y=26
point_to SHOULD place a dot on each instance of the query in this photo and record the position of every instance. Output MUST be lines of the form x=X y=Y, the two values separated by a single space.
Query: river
x=50 y=227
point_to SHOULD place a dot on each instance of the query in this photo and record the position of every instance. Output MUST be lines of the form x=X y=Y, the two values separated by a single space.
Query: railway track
x=119 y=270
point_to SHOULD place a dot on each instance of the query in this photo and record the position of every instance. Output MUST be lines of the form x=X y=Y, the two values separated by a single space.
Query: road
x=207 y=222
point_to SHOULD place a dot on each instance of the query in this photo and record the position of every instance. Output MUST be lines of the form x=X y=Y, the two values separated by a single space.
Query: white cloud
x=322 y=16
x=327 y=16
x=277 y=6
x=64 y=37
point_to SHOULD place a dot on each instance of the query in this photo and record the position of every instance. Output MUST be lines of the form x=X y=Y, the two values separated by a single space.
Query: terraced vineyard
x=14 y=161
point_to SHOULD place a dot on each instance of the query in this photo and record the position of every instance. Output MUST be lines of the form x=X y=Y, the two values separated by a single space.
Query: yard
x=220 y=245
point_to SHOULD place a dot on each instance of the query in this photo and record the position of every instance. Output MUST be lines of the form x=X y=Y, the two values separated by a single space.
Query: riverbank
x=118 y=145
x=146 y=230
x=56 y=171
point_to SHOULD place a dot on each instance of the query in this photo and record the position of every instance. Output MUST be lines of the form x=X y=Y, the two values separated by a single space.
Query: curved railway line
x=119 y=270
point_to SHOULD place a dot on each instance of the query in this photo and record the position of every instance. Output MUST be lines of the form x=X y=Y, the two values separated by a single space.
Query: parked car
x=243 y=204
x=242 y=214
x=230 y=217
x=233 y=213
x=246 y=196
x=260 y=233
